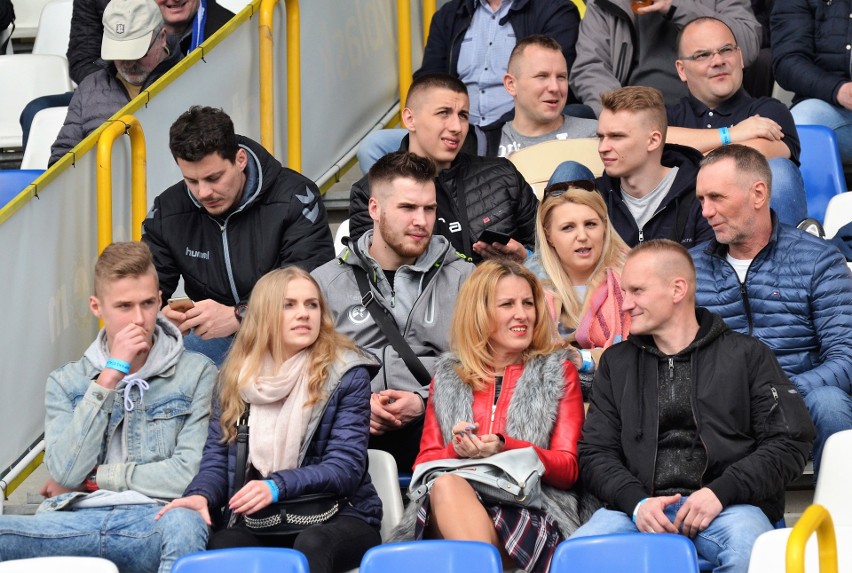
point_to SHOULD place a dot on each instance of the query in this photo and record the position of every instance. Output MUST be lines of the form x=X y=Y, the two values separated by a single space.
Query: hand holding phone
x=490 y=236
x=181 y=303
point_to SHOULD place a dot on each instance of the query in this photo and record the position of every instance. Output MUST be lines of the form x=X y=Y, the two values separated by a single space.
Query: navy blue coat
x=810 y=40
x=797 y=299
x=335 y=461
x=559 y=19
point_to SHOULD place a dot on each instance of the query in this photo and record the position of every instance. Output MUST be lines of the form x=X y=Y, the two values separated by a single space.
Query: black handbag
x=286 y=517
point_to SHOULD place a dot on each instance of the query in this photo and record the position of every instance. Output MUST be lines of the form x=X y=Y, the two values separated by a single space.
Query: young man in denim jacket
x=125 y=427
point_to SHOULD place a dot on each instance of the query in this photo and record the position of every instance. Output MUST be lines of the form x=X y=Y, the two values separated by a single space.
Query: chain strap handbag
x=285 y=517
x=512 y=477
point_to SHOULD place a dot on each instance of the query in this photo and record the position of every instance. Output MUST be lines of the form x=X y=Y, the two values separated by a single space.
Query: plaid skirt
x=529 y=536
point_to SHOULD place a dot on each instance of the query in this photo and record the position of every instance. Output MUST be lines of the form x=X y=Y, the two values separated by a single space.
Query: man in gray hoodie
x=124 y=429
x=414 y=277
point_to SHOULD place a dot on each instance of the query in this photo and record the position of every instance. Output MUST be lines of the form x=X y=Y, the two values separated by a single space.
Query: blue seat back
x=821 y=167
x=13 y=181
x=626 y=553
x=243 y=560
x=429 y=556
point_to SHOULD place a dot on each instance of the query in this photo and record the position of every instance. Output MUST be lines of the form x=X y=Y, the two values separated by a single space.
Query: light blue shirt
x=483 y=61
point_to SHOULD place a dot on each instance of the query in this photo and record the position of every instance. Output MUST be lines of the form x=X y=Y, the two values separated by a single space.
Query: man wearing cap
x=134 y=43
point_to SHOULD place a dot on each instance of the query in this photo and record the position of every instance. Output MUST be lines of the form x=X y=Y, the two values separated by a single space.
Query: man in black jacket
x=715 y=429
x=474 y=193
x=237 y=214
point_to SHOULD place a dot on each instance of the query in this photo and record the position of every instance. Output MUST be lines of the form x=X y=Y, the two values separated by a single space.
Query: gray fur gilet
x=531 y=417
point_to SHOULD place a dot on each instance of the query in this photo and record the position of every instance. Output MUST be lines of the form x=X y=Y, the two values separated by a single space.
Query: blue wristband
x=120 y=365
x=273 y=488
x=588 y=363
x=636 y=509
x=725 y=134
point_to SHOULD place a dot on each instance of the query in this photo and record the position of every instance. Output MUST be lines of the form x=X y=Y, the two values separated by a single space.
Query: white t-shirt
x=740 y=266
x=645 y=208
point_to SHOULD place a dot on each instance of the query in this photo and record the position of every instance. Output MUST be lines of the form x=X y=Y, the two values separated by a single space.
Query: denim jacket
x=166 y=426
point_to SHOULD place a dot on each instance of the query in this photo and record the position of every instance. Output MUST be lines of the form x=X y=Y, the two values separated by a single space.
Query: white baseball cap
x=128 y=28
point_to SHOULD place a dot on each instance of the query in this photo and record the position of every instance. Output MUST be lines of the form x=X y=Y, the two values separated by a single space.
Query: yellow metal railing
x=815 y=518
x=404 y=67
x=294 y=81
x=138 y=178
x=428 y=12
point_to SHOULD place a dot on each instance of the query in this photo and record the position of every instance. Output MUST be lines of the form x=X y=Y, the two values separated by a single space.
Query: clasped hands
x=469 y=444
x=693 y=517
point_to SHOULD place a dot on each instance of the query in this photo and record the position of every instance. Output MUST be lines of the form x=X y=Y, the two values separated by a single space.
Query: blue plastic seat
x=243 y=560
x=821 y=167
x=429 y=556
x=626 y=553
x=13 y=181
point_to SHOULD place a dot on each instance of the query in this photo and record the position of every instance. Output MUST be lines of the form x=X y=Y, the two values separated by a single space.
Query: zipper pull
x=774 y=393
x=393 y=298
x=671 y=368
x=641 y=235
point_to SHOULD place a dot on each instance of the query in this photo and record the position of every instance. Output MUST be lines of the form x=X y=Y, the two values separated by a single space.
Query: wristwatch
x=240 y=311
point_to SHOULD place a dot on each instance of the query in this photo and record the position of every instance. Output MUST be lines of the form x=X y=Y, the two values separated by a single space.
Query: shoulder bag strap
x=240 y=467
x=389 y=328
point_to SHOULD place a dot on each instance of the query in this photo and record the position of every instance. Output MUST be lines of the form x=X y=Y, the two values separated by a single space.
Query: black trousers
x=335 y=546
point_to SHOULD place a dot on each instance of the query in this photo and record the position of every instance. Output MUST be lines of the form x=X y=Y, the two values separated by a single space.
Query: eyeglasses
x=562 y=187
x=704 y=56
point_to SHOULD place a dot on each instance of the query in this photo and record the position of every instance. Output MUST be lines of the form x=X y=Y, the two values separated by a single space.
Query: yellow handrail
x=428 y=12
x=815 y=518
x=138 y=178
x=294 y=81
x=403 y=24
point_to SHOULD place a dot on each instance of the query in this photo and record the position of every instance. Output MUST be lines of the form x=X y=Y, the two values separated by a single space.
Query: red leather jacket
x=560 y=458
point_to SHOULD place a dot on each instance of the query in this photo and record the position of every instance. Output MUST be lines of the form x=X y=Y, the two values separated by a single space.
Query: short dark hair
x=200 y=131
x=123 y=260
x=700 y=20
x=540 y=40
x=747 y=161
x=432 y=81
x=674 y=259
x=401 y=164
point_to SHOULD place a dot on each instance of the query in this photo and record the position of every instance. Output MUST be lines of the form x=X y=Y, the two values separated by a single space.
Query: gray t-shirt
x=571 y=128
x=643 y=209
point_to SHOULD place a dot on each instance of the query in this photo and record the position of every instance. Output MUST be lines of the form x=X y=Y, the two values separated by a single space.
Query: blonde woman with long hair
x=308 y=389
x=579 y=258
x=505 y=385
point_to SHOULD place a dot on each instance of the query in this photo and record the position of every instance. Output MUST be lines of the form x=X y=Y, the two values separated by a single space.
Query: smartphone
x=181 y=303
x=489 y=236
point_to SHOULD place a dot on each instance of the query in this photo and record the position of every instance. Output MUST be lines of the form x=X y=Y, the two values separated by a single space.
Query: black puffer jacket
x=810 y=47
x=750 y=420
x=679 y=215
x=282 y=222
x=556 y=18
x=490 y=190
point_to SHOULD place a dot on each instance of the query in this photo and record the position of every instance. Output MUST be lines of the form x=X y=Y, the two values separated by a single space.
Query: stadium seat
x=243 y=560
x=832 y=489
x=63 y=564
x=13 y=181
x=33 y=76
x=27 y=13
x=838 y=213
x=537 y=163
x=429 y=556
x=626 y=553
x=384 y=477
x=342 y=231
x=821 y=167
x=45 y=127
x=54 y=28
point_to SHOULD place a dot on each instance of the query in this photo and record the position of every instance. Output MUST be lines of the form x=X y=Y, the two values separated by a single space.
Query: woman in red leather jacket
x=503 y=386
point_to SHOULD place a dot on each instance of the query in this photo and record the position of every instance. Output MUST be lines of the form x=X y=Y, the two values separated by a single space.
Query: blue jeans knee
x=831 y=410
x=788 y=198
x=378 y=144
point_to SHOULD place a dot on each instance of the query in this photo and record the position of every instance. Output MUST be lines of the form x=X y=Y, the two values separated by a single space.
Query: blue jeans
x=216 y=349
x=788 y=200
x=378 y=144
x=570 y=171
x=726 y=543
x=831 y=411
x=836 y=118
x=127 y=535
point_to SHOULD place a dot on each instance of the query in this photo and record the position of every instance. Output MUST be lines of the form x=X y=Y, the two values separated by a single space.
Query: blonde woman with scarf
x=309 y=395
x=579 y=258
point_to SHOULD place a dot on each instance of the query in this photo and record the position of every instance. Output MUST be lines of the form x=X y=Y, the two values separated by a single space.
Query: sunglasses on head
x=562 y=187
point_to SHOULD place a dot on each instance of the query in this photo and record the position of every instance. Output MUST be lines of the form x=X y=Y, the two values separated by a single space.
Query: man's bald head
x=670 y=261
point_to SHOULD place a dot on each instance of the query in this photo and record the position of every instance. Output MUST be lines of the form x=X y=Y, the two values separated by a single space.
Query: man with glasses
x=135 y=44
x=718 y=111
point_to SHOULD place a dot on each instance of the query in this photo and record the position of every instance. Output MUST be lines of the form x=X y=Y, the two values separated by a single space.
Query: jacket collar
x=726 y=108
x=466 y=7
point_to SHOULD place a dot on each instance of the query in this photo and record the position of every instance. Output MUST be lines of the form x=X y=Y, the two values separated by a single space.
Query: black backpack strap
x=240 y=467
x=389 y=328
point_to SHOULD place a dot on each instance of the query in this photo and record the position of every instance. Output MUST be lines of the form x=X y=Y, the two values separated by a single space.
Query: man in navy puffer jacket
x=791 y=290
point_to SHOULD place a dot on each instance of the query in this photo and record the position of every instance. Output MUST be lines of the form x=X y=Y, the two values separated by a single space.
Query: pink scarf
x=604 y=323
